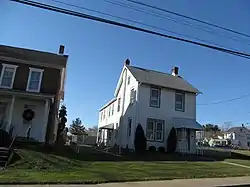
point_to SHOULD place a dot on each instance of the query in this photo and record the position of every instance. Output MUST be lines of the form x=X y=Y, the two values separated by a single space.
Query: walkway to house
x=204 y=182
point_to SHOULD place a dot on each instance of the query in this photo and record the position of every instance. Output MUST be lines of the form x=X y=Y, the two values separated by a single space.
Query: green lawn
x=37 y=167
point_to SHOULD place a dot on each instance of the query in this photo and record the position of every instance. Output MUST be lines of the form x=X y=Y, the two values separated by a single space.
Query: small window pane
x=150 y=135
x=155 y=93
x=128 y=80
x=154 y=102
x=159 y=126
x=158 y=135
x=179 y=97
x=119 y=103
x=150 y=125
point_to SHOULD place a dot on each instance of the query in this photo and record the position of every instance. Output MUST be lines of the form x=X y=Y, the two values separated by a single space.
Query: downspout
x=122 y=111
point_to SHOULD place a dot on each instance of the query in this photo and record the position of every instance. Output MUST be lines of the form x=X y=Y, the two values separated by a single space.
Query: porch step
x=4 y=155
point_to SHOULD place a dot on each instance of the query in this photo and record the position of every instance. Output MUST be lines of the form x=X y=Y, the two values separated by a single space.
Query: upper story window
x=132 y=96
x=112 y=113
x=7 y=75
x=34 y=80
x=180 y=101
x=155 y=130
x=119 y=105
x=155 y=97
x=101 y=116
x=109 y=110
x=128 y=80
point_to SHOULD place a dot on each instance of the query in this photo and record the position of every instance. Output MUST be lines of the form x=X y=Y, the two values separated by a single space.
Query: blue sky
x=97 y=52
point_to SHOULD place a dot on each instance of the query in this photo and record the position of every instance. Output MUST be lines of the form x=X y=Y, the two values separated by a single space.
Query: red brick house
x=34 y=80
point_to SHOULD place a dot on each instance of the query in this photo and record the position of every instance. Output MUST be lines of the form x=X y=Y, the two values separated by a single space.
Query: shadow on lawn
x=92 y=154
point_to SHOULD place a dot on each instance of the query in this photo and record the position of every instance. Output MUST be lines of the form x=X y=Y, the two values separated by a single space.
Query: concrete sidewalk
x=203 y=182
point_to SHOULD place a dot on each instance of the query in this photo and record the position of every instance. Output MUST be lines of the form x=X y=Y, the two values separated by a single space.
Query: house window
x=155 y=130
x=112 y=109
x=7 y=75
x=35 y=79
x=109 y=110
x=132 y=96
x=155 y=95
x=179 y=101
x=103 y=114
x=129 y=126
x=128 y=80
x=119 y=105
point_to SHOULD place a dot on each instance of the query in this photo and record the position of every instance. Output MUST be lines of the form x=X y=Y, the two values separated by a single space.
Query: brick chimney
x=127 y=62
x=175 y=71
x=61 y=49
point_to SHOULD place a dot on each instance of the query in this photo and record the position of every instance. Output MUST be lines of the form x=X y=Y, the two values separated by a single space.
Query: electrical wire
x=225 y=101
x=107 y=21
x=190 y=18
x=137 y=22
x=182 y=22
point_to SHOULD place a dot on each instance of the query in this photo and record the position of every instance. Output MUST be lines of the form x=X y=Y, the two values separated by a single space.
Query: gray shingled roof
x=161 y=79
x=33 y=55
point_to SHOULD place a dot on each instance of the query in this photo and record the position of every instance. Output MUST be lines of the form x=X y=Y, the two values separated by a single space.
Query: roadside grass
x=35 y=167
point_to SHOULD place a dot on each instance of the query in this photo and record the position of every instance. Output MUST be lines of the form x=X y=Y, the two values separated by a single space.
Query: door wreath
x=28 y=114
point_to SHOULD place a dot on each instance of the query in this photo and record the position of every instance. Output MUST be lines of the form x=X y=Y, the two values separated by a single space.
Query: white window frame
x=118 y=104
x=112 y=110
x=40 y=81
x=183 y=102
x=13 y=78
x=155 y=131
x=128 y=80
x=132 y=95
x=158 y=99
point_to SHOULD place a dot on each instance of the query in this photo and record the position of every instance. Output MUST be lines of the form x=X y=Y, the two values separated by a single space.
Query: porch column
x=10 y=113
x=46 y=116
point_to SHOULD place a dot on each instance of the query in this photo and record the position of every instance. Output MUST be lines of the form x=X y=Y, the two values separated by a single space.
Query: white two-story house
x=160 y=102
x=239 y=136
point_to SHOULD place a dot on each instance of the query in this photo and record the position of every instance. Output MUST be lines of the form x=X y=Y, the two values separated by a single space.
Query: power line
x=190 y=18
x=225 y=101
x=137 y=22
x=182 y=22
x=99 y=19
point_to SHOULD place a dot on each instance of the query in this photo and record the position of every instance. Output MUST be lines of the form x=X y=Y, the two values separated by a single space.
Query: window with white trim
x=155 y=130
x=180 y=101
x=128 y=80
x=132 y=95
x=119 y=105
x=155 y=95
x=35 y=80
x=109 y=110
x=112 y=113
x=7 y=75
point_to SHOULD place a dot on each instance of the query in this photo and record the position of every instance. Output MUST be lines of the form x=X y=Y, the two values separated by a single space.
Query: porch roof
x=109 y=126
x=25 y=94
x=186 y=123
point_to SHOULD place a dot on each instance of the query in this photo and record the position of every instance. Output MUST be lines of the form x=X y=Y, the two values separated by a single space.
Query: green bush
x=140 y=140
